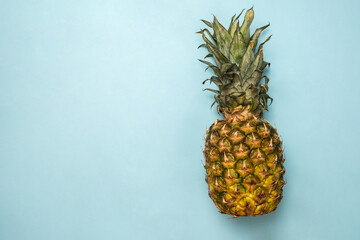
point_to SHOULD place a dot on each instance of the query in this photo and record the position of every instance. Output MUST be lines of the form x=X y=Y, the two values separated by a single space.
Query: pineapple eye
x=224 y=145
x=236 y=136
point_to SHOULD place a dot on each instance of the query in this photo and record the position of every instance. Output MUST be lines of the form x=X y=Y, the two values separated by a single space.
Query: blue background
x=102 y=116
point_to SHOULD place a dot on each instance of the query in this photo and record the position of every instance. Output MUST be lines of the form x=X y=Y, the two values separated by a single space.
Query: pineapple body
x=244 y=165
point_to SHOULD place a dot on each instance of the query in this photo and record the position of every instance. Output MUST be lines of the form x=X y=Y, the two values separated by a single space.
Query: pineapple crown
x=238 y=67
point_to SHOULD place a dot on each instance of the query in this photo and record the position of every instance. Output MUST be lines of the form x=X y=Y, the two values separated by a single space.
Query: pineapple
x=243 y=152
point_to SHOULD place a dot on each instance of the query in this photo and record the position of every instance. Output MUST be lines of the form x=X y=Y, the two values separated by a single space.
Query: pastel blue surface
x=102 y=116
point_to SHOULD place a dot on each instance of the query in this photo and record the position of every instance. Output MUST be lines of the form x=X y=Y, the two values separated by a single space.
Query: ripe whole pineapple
x=243 y=153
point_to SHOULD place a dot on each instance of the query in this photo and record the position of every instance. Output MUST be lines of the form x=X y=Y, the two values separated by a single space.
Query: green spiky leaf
x=237 y=48
x=201 y=45
x=247 y=60
x=257 y=63
x=209 y=24
x=238 y=16
x=245 y=27
x=223 y=38
x=212 y=90
x=233 y=27
x=219 y=57
x=256 y=35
